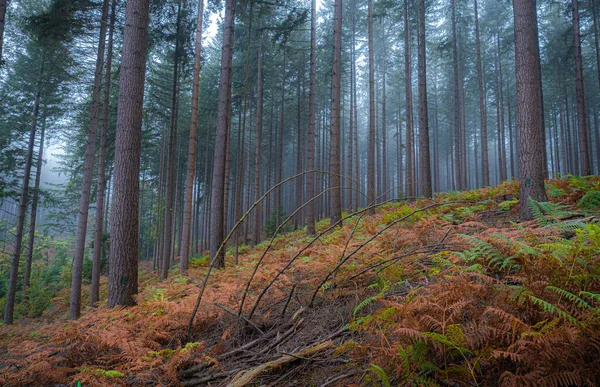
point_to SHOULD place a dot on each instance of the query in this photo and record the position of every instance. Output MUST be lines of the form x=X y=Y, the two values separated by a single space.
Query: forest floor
x=453 y=291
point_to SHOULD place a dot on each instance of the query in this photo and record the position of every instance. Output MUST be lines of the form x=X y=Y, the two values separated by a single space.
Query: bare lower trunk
x=384 y=164
x=218 y=200
x=424 y=158
x=124 y=247
x=410 y=134
x=334 y=146
x=259 y=126
x=191 y=166
x=101 y=187
x=3 y=6
x=241 y=149
x=371 y=144
x=458 y=156
x=310 y=149
x=14 y=263
x=582 y=126
x=167 y=256
x=33 y=215
x=528 y=82
x=485 y=168
x=88 y=169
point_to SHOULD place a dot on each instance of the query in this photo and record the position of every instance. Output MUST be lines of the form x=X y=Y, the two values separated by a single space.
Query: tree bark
x=334 y=146
x=14 y=263
x=3 y=6
x=167 y=255
x=191 y=166
x=218 y=202
x=424 y=157
x=88 y=170
x=124 y=247
x=259 y=127
x=240 y=157
x=384 y=169
x=310 y=149
x=371 y=144
x=530 y=128
x=410 y=134
x=485 y=168
x=582 y=126
x=458 y=156
x=101 y=185
x=33 y=215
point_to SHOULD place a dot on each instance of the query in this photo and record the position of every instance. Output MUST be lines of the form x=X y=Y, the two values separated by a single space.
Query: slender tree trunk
x=240 y=157
x=171 y=165
x=384 y=168
x=410 y=134
x=584 y=156
x=500 y=110
x=101 y=185
x=458 y=167
x=259 y=127
x=334 y=146
x=510 y=138
x=88 y=170
x=14 y=263
x=356 y=174
x=485 y=168
x=218 y=202
x=33 y=215
x=3 y=6
x=124 y=249
x=371 y=145
x=528 y=82
x=310 y=149
x=191 y=163
x=279 y=160
x=424 y=157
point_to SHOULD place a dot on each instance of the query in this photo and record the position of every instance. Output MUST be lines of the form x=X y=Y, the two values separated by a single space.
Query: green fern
x=380 y=372
x=546 y=212
x=571 y=297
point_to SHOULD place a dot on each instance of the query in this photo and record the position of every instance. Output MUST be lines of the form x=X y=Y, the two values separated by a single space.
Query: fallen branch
x=244 y=378
x=231 y=312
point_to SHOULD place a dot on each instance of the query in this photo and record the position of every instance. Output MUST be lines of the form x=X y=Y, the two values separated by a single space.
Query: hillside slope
x=451 y=291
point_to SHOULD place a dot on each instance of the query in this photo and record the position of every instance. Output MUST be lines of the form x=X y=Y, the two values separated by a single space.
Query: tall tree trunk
x=259 y=127
x=88 y=170
x=424 y=158
x=384 y=169
x=279 y=159
x=3 y=6
x=485 y=168
x=528 y=82
x=371 y=145
x=33 y=215
x=503 y=170
x=458 y=167
x=584 y=158
x=356 y=174
x=218 y=202
x=191 y=166
x=101 y=185
x=124 y=248
x=334 y=146
x=300 y=180
x=14 y=263
x=240 y=157
x=167 y=255
x=410 y=134
x=310 y=149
